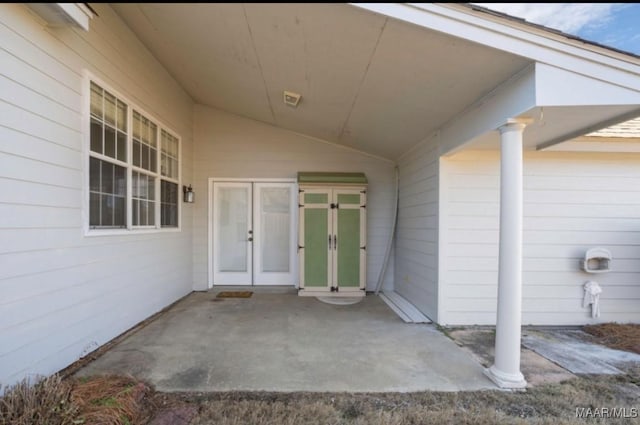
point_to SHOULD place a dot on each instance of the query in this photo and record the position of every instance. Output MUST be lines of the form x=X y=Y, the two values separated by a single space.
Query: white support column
x=505 y=371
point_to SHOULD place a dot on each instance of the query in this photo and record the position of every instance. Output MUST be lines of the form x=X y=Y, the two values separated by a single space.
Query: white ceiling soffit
x=550 y=126
x=367 y=81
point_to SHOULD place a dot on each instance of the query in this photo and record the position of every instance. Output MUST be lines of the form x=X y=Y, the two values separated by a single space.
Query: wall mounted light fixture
x=189 y=194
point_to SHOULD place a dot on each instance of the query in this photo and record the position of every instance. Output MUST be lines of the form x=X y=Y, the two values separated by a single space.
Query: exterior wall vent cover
x=597 y=260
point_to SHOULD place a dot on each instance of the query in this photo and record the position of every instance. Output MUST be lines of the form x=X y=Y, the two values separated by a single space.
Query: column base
x=506 y=380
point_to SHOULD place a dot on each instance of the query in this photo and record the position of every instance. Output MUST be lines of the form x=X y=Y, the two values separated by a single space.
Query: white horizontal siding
x=234 y=147
x=63 y=294
x=416 y=245
x=572 y=202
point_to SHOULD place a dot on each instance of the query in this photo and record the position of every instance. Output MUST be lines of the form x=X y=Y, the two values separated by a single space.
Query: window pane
x=173 y=147
x=120 y=181
x=107 y=177
x=151 y=187
x=169 y=196
x=94 y=175
x=143 y=194
x=96 y=100
x=109 y=142
x=151 y=213
x=144 y=187
x=135 y=210
x=122 y=116
x=169 y=168
x=144 y=130
x=107 y=202
x=169 y=151
x=136 y=153
x=122 y=146
x=172 y=215
x=109 y=108
x=143 y=213
x=119 y=214
x=96 y=136
x=136 y=125
x=153 y=159
x=134 y=184
x=94 y=209
x=145 y=136
x=107 y=210
x=153 y=134
x=163 y=164
x=145 y=157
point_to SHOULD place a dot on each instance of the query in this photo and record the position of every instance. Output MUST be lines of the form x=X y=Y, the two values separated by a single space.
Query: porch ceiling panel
x=321 y=52
x=417 y=80
x=207 y=48
x=367 y=81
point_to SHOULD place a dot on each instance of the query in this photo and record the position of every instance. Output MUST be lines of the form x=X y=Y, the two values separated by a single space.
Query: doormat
x=234 y=294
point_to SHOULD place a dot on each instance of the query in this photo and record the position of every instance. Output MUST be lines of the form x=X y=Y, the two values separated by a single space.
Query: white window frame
x=87 y=154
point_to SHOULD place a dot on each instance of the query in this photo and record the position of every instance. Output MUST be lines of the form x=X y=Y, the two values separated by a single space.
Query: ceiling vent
x=291 y=98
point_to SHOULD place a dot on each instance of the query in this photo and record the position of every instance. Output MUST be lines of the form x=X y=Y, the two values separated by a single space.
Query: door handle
x=250 y=239
x=329 y=242
x=335 y=242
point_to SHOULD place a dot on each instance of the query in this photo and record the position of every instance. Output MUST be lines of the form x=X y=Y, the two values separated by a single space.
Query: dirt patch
x=618 y=336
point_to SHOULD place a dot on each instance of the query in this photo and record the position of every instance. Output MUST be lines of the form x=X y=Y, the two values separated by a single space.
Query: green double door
x=332 y=241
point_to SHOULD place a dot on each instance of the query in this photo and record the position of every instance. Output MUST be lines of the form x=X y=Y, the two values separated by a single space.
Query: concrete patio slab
x=282 y=342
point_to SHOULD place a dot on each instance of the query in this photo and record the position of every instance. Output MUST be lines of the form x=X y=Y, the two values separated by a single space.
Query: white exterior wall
x=416 y=245
x=572 y=202
x=63 y=294
x=231 y=146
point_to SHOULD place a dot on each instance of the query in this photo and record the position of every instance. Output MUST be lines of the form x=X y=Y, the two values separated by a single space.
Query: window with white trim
x=134 y=166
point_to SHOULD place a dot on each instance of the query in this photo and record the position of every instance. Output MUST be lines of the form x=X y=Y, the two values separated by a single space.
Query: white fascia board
x=512 y=99
x=559 y=87
x=518 y=39
x=583 y=146
x=598 y=144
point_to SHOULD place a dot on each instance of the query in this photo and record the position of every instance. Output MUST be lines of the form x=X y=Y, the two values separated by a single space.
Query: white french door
x=254 y=233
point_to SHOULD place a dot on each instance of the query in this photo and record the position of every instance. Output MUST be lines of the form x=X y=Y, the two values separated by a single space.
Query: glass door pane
x=274 y=250
x=274 y=221
x=232 y=233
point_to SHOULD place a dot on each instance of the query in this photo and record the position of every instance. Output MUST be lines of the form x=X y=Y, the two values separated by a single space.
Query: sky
x=612 y=24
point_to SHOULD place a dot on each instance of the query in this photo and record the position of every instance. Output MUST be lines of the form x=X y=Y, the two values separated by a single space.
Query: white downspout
x=394 y=224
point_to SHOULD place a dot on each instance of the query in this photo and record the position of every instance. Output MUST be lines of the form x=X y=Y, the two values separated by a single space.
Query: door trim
x=210 y=182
